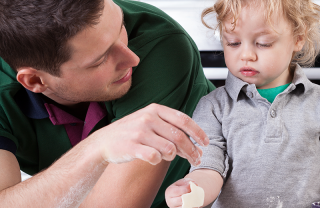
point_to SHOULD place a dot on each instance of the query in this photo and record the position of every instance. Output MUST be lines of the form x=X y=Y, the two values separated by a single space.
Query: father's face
x=101 y=64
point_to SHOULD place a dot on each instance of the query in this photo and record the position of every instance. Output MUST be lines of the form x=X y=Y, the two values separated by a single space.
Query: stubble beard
x=66 y=95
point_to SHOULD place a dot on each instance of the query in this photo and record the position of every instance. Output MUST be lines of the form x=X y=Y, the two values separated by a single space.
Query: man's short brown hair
x=34 y=33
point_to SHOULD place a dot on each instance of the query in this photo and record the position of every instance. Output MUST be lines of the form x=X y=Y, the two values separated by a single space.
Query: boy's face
x=255 y=52
x=101 y=64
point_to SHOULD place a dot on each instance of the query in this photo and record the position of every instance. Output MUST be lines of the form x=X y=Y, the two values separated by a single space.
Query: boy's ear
x=31 y=79
x=299 y=43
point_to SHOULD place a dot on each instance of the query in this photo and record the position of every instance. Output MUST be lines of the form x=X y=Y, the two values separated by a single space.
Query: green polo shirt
x=169 y=73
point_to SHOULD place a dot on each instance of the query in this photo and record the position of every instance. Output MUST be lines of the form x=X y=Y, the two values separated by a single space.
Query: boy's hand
x=175 y=191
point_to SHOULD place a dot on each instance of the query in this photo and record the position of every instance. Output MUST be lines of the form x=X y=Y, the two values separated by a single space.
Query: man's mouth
x=248 y=71
x=125 y=78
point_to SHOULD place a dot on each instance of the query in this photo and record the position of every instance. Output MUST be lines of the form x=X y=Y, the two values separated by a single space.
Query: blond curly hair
x=304 y=16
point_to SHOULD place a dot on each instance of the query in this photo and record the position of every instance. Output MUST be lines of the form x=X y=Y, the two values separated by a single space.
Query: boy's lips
x=125 y=78
x=248 y=71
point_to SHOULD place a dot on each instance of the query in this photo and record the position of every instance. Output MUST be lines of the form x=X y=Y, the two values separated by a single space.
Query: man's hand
x=151 y=134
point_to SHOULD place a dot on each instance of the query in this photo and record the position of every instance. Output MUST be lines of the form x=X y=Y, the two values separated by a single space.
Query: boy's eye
x=264 y=45
x=234 y=44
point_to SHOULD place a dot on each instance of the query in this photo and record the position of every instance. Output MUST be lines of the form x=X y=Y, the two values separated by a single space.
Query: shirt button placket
x=273 y=113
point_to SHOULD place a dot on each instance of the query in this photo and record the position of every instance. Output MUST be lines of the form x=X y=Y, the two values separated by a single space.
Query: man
x=61 y=60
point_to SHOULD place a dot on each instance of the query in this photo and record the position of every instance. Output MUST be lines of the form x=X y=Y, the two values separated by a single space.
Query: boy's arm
x=210 y=180
x=214 y=162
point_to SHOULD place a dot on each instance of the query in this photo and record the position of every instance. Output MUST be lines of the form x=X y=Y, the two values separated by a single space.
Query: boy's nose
x=248 y=54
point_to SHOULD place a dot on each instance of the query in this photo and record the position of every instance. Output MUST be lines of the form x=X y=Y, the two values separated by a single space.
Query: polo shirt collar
x=31 y=104
x=234 y=85
x=299 y=78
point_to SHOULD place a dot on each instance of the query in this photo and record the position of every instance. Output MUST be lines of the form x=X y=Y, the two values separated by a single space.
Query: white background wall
x=188 y=14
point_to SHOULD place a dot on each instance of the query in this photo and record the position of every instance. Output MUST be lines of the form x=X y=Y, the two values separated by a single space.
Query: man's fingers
x=146 y=153
x=152 y=134
x=200 y=151
x=165 y=147
x=183 y=122
x=185 y=148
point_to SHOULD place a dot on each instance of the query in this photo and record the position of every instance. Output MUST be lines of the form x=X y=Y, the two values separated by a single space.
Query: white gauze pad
x=193 y=199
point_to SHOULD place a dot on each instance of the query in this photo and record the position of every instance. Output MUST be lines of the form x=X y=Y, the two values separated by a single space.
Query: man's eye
x=234 y=44
x=101 y=63
x=264 y=45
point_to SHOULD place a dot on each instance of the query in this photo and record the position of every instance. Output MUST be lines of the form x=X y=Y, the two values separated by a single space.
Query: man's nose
x=129 y=58
x=248 y=53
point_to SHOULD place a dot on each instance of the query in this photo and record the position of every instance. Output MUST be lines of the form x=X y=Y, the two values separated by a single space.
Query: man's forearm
x=147 y=134
x=65 y=184
x=133 y=185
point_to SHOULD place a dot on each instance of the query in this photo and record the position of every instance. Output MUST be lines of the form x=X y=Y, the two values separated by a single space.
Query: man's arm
x=9 y=170
x=128 y=185
x=64 y=184
x=69 y=180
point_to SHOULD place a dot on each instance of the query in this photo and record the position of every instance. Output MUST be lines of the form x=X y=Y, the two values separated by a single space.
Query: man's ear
x=299 y=43
x=31 y=79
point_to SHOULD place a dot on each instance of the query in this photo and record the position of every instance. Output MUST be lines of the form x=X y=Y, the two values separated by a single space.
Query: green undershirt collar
x=271 y=93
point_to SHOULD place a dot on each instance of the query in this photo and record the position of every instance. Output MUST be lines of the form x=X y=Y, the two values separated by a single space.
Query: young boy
x=264 y=124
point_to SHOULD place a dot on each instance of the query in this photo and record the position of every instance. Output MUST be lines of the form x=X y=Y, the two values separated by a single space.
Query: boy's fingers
x=179 y=188
x=175 y=191
x=182 y=182
x=176 y=202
